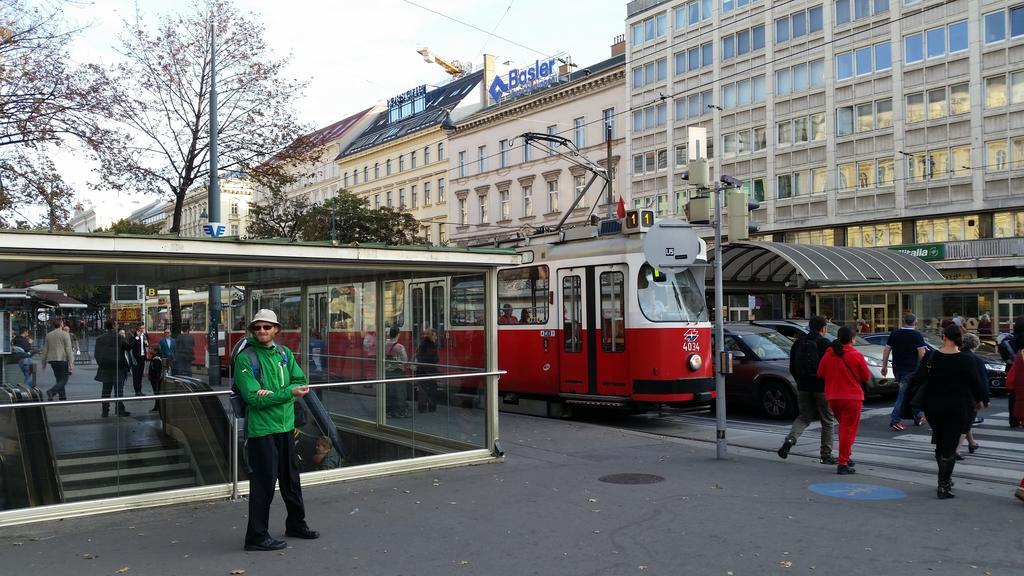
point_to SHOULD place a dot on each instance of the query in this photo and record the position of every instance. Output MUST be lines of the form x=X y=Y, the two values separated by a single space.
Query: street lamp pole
x=720 y=442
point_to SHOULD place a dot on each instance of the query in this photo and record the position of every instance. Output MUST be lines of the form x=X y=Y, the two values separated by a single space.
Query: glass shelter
x=397 y=342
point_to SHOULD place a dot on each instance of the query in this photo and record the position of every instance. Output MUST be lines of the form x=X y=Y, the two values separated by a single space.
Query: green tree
x=126 y=226
x=279 y=216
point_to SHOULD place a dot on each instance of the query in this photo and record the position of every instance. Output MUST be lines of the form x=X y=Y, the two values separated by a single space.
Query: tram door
x=610 y=304
x=575 y=352
x=428 y=311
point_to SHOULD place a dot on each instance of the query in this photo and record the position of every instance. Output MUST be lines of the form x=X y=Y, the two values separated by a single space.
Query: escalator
x=28 y=468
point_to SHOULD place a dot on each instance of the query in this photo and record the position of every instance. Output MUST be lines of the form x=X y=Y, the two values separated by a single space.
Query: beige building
x=401 y=159
x=321 y=179
x=235 y=195
x=502 y=187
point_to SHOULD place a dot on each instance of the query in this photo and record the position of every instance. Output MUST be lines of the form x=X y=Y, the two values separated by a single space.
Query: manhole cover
x=631 y=479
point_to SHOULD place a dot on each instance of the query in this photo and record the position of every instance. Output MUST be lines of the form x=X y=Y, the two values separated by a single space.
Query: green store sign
x=923 y=251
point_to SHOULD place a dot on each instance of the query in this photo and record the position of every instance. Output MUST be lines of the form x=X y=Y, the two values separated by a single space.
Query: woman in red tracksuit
x=843 y=369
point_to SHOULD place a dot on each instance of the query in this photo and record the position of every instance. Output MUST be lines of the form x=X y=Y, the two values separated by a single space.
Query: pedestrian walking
x=28 y=368
x=804 y=358
x=167 y=348
x=1009 y=346
x=137 y=345
x=952 y=390
x=58 y=352
x=112 y=366
x=270 y=396
x=426 y=365
x=184 y=352
x=396 y=358
x=845 y=371
x=970 y=344
x=907 y=347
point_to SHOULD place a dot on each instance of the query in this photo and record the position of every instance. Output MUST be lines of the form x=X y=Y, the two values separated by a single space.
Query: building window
x=579 y=131
x=463 y=212
x=506 y=207
x=935 y=42
x=798 y=24
x=426 y=193
x=730 y=5
x=694 y=58
x=552 y=130
x=376 y=201
x=344 y=179
x=440 y=191
x=850 y=10
x=647 y=30
x=939 y=163
x=552 y=196
x=401 y=162
x=1005 y=154
x=875 y=235
x=389 y=202
x=481 y=159
x=401 y=198
x=650 y=73
x=426 y=155
x=743 y=42
x=527 y=152
x=527 y=200
x=376 y=170
x=502 y=153
x=650 y=117
x=800 y=77
x=811 y=237
x=440 y=151
x=863 y=61
x=412 y=159
x=355 y=177
x=743 y=93
x=695 y=105
x=949 y=229
x=1004 y=89
x=462 y=164
x=413 y=197
x=1007 y=224
x=579 y=183
x=234 y=208
x=482 y=200
x=692 y=14
x=387 y=169
x=997 y=24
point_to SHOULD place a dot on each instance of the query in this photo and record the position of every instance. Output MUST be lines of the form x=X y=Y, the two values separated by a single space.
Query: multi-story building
x=157 y=211
x=401 y=160
x=867 y=123
x=501 y=184
x=320 y=179
x=235 y=195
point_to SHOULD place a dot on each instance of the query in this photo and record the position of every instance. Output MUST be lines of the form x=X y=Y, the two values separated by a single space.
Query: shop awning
x=57 y=299
x=802 y=266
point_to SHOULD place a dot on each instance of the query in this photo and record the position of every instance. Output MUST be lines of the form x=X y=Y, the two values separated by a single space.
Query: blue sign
x=854 y=491
x=523 y=80
x=214 y=229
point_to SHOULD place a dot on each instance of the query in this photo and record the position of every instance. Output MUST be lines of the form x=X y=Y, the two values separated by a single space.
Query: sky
x=355 y=52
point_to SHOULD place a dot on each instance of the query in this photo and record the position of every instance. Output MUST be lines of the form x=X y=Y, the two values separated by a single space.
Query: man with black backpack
x=269 y=380
x=804 y=357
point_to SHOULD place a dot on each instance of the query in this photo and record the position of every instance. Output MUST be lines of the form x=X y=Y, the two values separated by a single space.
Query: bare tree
x=164 y=95
x=45 y=100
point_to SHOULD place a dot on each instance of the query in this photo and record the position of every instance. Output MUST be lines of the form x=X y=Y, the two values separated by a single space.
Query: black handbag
x=918 y=385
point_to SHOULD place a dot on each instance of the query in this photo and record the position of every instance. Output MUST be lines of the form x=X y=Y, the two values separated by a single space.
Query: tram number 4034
x=690 y=342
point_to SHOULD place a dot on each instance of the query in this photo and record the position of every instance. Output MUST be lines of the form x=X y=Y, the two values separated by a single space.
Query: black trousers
x=138 y=370
x=114 y=383
x=273 y=459
x=1011 y=397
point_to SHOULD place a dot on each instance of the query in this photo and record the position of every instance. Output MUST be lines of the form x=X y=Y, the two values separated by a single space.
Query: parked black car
x=994 y=364
x=760 y=375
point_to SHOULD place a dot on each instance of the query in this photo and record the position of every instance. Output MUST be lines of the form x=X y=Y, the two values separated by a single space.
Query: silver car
x=878 y=385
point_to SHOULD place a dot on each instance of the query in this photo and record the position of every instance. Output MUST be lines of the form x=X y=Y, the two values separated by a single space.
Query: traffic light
x=740 y=206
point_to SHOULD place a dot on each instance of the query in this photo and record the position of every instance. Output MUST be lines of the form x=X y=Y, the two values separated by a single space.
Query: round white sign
x=671 y=243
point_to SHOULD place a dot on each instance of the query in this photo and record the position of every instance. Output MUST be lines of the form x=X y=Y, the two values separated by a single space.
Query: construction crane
x=456 y=68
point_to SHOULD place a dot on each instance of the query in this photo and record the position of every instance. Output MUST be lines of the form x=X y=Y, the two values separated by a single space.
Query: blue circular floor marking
x=854 y=491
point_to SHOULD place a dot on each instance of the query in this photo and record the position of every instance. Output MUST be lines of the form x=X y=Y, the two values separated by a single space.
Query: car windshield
x=670 y=297
x=932 y=340
x=832 y=332
x=767 y=345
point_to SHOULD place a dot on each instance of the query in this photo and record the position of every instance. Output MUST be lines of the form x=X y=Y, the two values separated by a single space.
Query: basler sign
x=522 y=80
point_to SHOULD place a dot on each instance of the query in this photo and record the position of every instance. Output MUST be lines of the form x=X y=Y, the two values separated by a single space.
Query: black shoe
x=945 y=491
x=267 y=545
x=958 y=457
x=844 y=470
x=304 y=533
x=787 y=444
x=829 y=459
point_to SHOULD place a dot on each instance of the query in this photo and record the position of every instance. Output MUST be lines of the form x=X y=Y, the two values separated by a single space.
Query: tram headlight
x=695 y=362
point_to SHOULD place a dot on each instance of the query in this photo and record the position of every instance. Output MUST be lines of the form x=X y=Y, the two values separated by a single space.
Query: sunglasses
x=262 y=327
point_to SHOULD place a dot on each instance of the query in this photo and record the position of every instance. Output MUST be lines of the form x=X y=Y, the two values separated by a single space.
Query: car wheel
x=777 y=400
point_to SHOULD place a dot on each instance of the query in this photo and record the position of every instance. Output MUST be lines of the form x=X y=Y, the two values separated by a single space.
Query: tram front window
x=670 y=296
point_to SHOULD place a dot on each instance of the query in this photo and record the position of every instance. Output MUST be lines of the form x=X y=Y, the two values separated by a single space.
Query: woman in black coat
x=952 y=394
x=426 y=365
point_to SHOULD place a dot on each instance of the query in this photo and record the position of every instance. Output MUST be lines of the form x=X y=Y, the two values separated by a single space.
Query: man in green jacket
x=270 y=394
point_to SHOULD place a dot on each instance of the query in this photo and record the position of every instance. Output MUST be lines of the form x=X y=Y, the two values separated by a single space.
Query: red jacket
x=844 y=374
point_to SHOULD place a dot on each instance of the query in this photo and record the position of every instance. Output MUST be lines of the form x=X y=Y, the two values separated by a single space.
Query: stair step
x=123 y=474
x=93 y=458
x=73 y=494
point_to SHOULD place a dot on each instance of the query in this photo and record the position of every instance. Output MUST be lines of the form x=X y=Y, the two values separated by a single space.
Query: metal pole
x=234 y=457
x=608 y=165
x=720 y=444
x=213 y=209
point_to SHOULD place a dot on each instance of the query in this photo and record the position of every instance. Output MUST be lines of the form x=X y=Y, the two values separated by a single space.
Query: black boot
x=788 y=443
x=945 y=489
x=828 y=458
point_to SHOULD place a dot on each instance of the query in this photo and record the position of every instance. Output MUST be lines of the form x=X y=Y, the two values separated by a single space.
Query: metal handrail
x=228 y=392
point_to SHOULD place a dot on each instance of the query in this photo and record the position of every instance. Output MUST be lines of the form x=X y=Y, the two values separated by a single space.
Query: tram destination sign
x=923 y=251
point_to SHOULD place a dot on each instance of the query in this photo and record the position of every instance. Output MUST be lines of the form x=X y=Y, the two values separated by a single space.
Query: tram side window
x=613 y=312
x=524 y=293
x=394 y=303
x=572 y=314
x=285 y=304
x=467 y=307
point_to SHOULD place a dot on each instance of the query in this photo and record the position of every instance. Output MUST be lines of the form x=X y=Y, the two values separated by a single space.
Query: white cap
x=265 y=315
